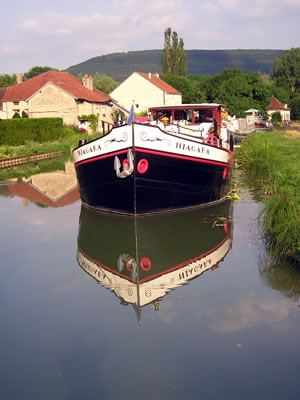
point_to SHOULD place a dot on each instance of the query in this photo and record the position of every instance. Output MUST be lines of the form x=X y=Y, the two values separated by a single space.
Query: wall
x=285 y=115
x=143 y=93
x=9 y=109
x=51 y=101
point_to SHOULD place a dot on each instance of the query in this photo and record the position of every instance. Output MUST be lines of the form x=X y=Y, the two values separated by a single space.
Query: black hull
x=142 y=258
x=169 y=184
x=164 y=171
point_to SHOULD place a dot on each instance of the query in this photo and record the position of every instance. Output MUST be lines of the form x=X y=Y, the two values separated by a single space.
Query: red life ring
x=142 y=166
x=145 y=263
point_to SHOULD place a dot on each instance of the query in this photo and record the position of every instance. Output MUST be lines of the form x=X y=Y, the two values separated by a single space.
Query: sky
x=62 y=33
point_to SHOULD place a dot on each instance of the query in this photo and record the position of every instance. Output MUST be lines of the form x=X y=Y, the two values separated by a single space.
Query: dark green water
x=184 y=306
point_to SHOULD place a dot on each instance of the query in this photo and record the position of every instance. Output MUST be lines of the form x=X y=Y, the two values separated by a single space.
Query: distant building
x=276 y=106
x=56 y=94
x=144 y=91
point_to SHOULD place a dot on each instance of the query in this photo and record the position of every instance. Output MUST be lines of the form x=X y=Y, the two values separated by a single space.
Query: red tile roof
x=275 y=105
x=29 y=192
x=64 y=80
x=155 y=80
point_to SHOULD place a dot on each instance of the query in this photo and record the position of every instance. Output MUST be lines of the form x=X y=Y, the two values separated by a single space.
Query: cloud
x=248 y=312
x=63 y=36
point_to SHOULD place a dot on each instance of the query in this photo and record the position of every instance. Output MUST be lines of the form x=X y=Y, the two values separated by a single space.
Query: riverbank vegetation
x=66 y=143
x=271 y=163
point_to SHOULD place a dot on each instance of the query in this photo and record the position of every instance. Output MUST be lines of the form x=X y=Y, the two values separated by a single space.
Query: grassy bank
x=271 y=162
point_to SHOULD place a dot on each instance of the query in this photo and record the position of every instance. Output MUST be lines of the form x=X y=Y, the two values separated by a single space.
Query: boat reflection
x=142 y=258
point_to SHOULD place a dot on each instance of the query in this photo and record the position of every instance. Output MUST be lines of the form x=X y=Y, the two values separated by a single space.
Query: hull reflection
x=141 y=259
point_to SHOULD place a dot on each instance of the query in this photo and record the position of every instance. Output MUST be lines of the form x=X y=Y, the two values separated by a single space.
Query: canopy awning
x=252 y=110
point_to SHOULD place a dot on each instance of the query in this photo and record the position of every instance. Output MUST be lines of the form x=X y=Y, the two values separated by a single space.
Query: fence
x=16 y=161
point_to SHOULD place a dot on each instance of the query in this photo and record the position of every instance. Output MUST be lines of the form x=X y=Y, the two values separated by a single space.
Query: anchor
x=128 y=167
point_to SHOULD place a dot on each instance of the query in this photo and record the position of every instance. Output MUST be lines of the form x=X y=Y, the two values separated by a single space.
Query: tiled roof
x=155 y=80
x=275 y=105
x=27 y=191
x=64 y=80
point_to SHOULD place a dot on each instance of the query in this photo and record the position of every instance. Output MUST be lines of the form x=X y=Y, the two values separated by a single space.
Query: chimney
x=87 y=82
x=149 y=75
x=156 y=74
x=19 y=77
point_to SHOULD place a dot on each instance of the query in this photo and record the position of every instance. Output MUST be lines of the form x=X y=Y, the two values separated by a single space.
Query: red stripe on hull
x=171 y=155
x=101 y=157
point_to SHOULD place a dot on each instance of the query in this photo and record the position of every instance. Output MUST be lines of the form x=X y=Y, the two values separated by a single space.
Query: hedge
x=15 y=132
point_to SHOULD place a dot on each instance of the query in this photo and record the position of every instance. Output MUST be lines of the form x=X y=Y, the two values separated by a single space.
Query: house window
x=136 y=106
x=16 y=103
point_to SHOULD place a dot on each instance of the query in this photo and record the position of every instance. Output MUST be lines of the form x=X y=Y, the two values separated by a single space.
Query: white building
x=145 y=90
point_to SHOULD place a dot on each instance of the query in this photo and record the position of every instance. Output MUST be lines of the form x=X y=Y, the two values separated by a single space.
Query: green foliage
x=92 y=120
x=68 y=131
x=7 y=80
x=118 y=114
x=26 y=170
x=295 y=105
x=239 y=91
x=35 y=71
x=282 y=93
x=272 y=163
x=173 y=55
x=16 y=132
x=287 y=69
x=24 y=114
x=16 y=115
x=104 y=83
x=204 y=62
x=281 y=276
x=192 y=91
x=276 y=118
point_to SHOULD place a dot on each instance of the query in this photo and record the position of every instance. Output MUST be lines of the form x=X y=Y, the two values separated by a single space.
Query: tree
x=295 y=105
x=276 y=118
x=7 y=80
x=191 y=89
x=173 y=55
x=35 y=71
x=104 y=83
x=287 y=69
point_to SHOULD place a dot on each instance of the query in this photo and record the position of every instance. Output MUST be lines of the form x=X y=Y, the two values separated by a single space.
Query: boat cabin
x=189 y=114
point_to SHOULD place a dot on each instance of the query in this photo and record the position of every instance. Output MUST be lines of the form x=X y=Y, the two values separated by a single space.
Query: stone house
x=276 y=106
x=144 y=91
x=57 y=94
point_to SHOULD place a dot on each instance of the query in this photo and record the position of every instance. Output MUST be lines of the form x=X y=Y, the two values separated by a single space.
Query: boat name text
x=88 y=149
x=194 y=269
x=193 y=148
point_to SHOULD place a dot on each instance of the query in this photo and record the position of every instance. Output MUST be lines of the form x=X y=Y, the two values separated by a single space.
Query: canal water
x=187 y=305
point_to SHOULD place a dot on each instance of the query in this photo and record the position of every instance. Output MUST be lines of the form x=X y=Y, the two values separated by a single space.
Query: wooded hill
x=203 y=62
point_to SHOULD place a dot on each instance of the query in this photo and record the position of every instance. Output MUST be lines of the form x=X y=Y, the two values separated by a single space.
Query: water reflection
x=281 y=275
x=50 y=189
x=142 y=259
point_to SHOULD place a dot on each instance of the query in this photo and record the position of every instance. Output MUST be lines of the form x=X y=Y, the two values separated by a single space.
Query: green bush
x=276 y=118
x=18 y=131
